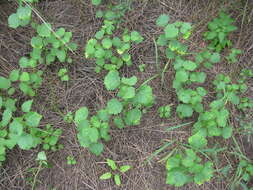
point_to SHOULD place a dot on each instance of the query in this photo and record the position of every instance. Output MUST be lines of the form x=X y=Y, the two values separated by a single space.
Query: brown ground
x=129 y=146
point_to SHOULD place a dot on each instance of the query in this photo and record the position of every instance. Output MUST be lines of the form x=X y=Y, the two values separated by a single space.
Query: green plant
x=244 y=174
x=186 y=167
x=110 y=52
x=71 y=160
x=116 y=171
x=219 y=29
x=23 y=130
x=142 y=67
x=127 y=109
x=164 y=111
x=232 y=57
x=91 y=132
x=63 y=74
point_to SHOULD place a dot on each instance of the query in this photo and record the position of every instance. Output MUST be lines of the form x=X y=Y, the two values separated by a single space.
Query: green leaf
x=189 y=65
x=227 y=132
x=184 y=110
x=107 y=43
x=181 y=76
x=162 y=20
x=26 y=142
x=112 y=164
x=126 y=92
x=24 y=77
x=33 y=119
x=93 y=135
x=26 y=106
x=114 y=106
x=96 y=2
x=118 y=122
x=105 y=176
x=171 y=31
x=117 y=179
x=24 y=13
x=198 y=141
x=6 y=117
x=13 y=21
x=124 y=168
x=136 y=37
x=144 y=96
x=215 y=58
x=81 y=114
x=16 y=128
x=129 y=81
x=112 y=80
x=37 y=42
x=205 y=174
x=41 y=156
x=103 y=115
x=177 y=178
x=44 y=30
x=61 y=55
x=4 y=83
x=14 y=75
x=96 y=148
x=133 y=117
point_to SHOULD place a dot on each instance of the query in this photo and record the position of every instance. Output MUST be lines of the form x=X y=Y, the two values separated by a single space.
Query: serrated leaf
x=126 y=92
x=26 y=142
x=96 y=148
x=96 y=2
x=44 y=30
x=4 y=83
x=171 y=31
x=114 y=106
x=133 y=117
x=16 y=128
x=93 y=135
x=33 y=119
x=81 y=114
x=162 y=20
x=112 y=80
x=197 y=141
x=129 y=81
x=6 y=117
x=26 y=106
x=13 y=21
x=107 y=43
x=184 y=110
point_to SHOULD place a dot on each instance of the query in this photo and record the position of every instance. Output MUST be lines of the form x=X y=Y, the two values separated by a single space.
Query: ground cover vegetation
x=210 y=110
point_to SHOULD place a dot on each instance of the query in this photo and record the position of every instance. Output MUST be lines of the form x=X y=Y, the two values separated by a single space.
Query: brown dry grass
x=130 y=146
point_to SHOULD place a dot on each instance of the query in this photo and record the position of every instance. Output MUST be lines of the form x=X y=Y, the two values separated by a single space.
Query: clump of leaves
x=63 y=74
x=92 y=131
x=116 y=171
x=244 y=174
x=111 y=53
x=186 y=167
x=232 y=57
x=24 y=130
x=71 y=160
x=127 y=108
x=164 y=111
x=22 y=17
x=219 y=29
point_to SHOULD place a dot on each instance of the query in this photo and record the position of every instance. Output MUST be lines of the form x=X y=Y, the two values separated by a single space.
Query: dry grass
x=130 y=146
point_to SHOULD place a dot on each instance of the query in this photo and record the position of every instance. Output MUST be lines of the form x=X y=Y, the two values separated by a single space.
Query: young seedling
x=71 y=160
x=164 y=111
x=63 y=74
x=115 y=173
